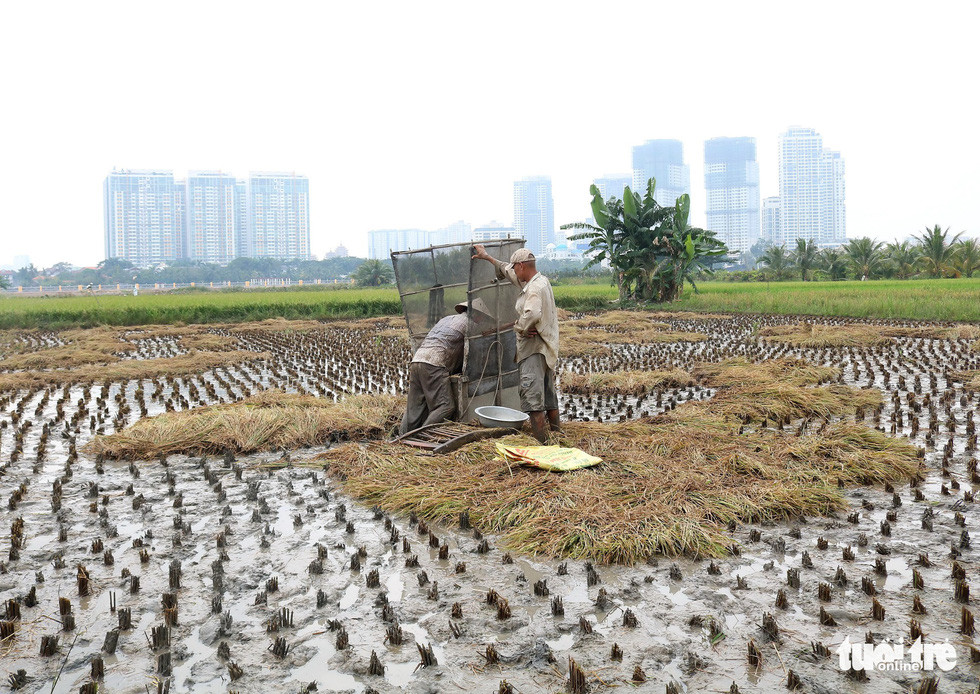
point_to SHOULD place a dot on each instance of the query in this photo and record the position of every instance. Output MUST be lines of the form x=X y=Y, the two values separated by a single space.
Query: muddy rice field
x=225 y=571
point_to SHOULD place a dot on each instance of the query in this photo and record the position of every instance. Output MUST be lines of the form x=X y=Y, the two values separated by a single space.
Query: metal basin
x=494 y=416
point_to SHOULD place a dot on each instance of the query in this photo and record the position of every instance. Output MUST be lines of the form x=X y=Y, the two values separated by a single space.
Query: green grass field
x=957 y=300
x=232 y=307
x=949 y=299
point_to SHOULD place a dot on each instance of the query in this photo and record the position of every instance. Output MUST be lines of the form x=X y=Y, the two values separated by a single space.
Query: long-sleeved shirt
x=443 y=346
x=535 y=309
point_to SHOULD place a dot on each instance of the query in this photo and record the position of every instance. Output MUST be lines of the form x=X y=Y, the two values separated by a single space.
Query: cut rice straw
x=668 y=485
x=815 y=335
x=270 y=420
x=624 y=382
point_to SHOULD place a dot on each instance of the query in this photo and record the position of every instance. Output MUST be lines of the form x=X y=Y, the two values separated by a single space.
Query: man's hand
x=481 y=252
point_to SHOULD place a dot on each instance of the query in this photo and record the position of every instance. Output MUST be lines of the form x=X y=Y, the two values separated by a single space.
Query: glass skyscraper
x=811 y=190
x=534 y=212
x=731 y=180
x=662 y=160
x=143 y=216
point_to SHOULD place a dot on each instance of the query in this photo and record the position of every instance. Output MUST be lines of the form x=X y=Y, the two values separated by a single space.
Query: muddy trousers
x=430 y=399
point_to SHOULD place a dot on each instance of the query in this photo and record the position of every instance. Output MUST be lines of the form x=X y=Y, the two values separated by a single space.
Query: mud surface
x=263 y=548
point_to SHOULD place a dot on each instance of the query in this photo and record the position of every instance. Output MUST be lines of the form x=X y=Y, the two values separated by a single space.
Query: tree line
x=933 y=253
x=118 y=271
x=362 y=272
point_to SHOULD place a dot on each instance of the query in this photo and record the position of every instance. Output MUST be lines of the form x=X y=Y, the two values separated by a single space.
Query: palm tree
x=904 y=257
x=805 y=257
x=865 y=257
x=776 y=259
x=373 y=273
x=967 y=257
x=938 y=252
x=833 y=261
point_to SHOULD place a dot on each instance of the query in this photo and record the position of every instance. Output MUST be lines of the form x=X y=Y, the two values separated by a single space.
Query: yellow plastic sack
x=553 y=458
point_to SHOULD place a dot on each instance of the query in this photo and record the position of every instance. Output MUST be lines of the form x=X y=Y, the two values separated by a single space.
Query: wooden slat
x=432 y=445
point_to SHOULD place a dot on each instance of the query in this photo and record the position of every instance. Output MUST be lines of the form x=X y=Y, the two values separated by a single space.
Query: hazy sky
x=416 y=114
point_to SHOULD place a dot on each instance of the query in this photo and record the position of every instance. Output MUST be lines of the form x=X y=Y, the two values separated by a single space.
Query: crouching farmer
x=430 y=399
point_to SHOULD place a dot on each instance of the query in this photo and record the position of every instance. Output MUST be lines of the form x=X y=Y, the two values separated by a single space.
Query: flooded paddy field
x=223 y=570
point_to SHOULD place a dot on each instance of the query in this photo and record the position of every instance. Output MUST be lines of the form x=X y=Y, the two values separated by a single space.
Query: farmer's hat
x=522 y=255
x=478 y=305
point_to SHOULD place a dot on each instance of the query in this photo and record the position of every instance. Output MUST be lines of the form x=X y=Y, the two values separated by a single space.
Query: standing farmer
x=537 y=337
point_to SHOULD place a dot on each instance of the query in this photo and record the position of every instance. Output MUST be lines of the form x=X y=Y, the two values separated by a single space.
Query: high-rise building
x=493 y=231
x=662 y=160
x=832 y=208
x=770 y=221
x=457 y=232
x=279 y=215
x=382 y=241
x=534 y=212
x=211 y=217
x=144 y=223
x=731 y=180
x=613 y=185
x=242 y=232
x=811 y=190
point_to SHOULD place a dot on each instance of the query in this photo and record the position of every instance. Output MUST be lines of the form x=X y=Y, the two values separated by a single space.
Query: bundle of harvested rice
x=935 y=332
x=970 y=379
x=269 y=420
x=624 y=382
x=780 y=402
x=620 y=319
x=816 y=335
x=738 y=372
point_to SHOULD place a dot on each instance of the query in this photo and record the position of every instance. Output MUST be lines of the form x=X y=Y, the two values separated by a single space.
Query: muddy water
x=232 y=536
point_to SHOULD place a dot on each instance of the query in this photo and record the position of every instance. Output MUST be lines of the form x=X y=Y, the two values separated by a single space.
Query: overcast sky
x=417 y=114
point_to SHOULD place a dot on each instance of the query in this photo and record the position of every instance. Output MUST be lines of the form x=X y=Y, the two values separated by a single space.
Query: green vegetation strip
x=942 y=299
x=233 y=307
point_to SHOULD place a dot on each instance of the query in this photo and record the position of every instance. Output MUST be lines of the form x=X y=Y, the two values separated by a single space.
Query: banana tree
x=604 y=236
x=666 y=251
x=651 y=248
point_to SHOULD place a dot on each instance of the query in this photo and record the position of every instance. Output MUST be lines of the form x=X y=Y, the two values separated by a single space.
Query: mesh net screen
x=431 y=281
x=491 y=346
